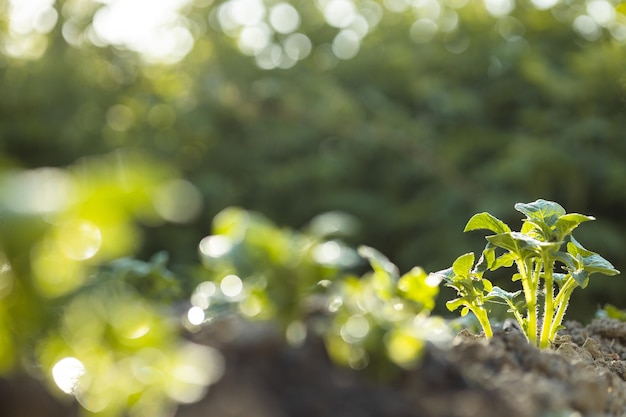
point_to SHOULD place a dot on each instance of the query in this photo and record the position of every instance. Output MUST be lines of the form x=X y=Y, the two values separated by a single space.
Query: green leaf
x=537 y=230
x=590 y=261
x=612 y=312
x=379 y=262
x=486 y=221
x=581 y=277
x=541 y=210
x=505 y=260
x=463 y=264
x=447 y=275
x=416 y=285
x=521 y=244
x=487 y=259
x=575 y=248
x=455 y=304
x=597 y=264
x=515 y=242
x=568 y=222
x=559 y=278
x=567 y=259
x=382 y=284
x=507 y=296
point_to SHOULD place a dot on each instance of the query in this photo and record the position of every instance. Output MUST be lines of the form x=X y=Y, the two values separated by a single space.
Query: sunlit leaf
x=462 y=266
x=568 y=222
x=541 y=211
x=416 y=285
x=486 y=221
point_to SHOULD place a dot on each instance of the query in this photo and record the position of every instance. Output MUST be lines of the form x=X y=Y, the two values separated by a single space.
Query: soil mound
x=581 y=375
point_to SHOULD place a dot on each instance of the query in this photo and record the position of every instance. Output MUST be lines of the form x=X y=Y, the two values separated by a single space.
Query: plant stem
x=481 y=315
x=548 y=310
x=562 y=300
x=531 y=301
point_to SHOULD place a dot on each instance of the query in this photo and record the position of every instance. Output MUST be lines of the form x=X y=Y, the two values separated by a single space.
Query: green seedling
x=543 y=252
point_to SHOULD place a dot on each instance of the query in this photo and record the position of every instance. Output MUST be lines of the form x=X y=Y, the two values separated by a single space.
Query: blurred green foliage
x=406 y=134
x=305 y=282
x=75 y=314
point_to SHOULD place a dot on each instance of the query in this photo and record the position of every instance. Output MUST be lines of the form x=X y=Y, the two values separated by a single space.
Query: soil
x=583 y=374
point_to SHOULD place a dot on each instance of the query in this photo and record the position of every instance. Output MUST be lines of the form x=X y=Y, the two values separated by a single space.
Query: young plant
x=536 y=251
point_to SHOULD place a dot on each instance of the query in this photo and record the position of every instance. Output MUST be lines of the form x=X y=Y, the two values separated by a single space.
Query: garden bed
x=582 y=374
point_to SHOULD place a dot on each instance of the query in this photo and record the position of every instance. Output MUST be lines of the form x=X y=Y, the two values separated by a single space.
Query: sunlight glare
x=253 y=39
x=38 y=191
x=346 y=44
x=247 y=12
x=339 y=13
x=586 y=27
x=284 y=18
x=355 y=328
x=195 y=315
x=79 y=239
x=231 y=286
x=215 y=246
x=499 y=8
x=601 y=11
x=156 y=30
x=26 y=16
x=544 y=4
x=298 y=46
x=66 y=374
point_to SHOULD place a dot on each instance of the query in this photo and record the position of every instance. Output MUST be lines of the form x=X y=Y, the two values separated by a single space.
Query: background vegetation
x=409 y=116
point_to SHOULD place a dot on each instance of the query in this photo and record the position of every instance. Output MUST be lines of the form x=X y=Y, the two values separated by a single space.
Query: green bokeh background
x=409 y=137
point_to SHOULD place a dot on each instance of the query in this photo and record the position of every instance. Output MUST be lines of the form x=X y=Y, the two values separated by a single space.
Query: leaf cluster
x=543 y=251
x=305 y=283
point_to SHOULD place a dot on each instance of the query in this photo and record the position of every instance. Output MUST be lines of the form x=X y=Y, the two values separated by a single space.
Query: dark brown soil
x=583 y=374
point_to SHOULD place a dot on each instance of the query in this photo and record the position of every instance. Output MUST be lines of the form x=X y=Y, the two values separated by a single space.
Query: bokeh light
x=67 y=373
x=29 y=23
x=39 y=191
x=156 y=30
x=178 y=201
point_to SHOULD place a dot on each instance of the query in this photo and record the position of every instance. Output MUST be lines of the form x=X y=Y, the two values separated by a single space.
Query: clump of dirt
x=583 y=374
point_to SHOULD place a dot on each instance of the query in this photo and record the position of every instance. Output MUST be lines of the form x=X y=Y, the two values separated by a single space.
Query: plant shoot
x=550 y=263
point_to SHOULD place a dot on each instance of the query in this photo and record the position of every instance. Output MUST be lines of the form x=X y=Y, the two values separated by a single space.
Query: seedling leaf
x=541 y=210
x=596 y=263
x=486 y=221
x=379 y=262
x=498 y=292
x=418 y=286
x=568 y=222
x=463 y=264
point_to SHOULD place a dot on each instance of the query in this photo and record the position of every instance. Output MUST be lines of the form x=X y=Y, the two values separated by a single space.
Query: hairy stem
x=562 y=300
x=548 y=310
x=531 y=300
x=481 y=315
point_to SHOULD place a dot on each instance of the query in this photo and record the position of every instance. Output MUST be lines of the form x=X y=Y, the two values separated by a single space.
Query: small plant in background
x=536 y=251
x=382 y=316
x=264 y=272
x=302 y=282
x=75 y=314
